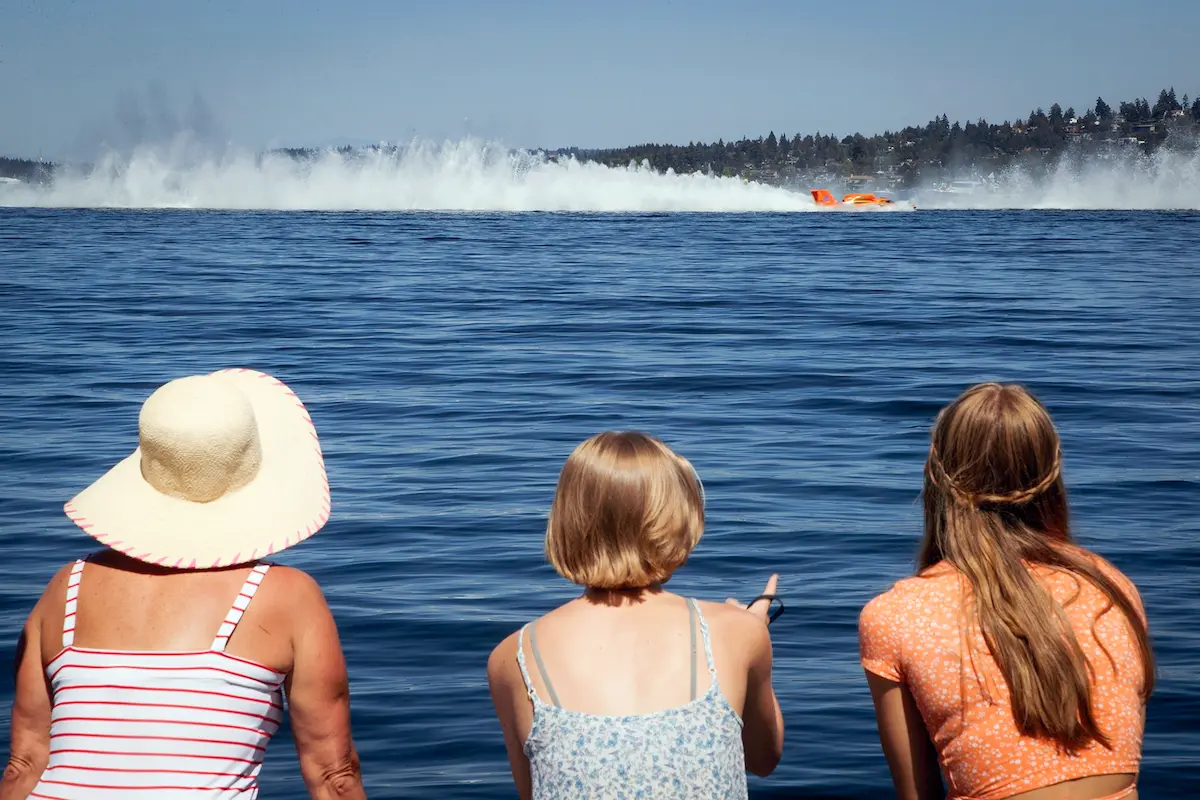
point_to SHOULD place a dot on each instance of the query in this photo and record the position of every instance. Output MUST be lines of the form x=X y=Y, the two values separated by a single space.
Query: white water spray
x=1168 y=180
x=471 y=175
x=454 y=176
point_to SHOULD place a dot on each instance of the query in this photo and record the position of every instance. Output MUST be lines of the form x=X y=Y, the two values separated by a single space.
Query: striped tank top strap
x=72 y=603
x=240 y=604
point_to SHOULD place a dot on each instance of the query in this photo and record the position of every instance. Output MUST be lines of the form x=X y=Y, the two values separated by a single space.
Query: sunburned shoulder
x=60 y=579
x=57 y=585
x=292 y=579
x=291 y=591
x=53 y=595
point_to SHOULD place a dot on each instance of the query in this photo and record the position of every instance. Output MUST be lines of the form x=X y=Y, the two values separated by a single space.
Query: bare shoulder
x=55 y=593
x=45 y=620
x=53 y=598
x=502 y=662
x=294 y=600
x=292 y=585
x=731 y=623
x=57 y=585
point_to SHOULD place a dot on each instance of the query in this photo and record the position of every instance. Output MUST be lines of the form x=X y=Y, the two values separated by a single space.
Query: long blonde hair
x=995 y=504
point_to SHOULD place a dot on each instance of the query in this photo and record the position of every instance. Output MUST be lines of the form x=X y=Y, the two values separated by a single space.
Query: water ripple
x=451 y=361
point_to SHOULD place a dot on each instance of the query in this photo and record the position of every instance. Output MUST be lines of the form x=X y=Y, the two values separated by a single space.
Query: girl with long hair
x=1015 y=664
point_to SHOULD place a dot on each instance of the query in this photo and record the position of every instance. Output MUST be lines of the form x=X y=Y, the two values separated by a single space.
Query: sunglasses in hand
x=775 y=609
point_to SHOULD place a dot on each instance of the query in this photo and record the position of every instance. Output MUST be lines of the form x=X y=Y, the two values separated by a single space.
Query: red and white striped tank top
x=159 y=724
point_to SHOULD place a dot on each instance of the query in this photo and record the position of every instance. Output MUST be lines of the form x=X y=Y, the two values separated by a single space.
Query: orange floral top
x=913 y=634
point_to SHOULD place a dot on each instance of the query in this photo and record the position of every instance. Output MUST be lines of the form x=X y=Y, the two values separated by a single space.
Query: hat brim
x=285 y=503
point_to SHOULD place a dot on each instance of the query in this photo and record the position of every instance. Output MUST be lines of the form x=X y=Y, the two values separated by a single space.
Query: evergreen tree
x=910 y=154
x=1163 y=105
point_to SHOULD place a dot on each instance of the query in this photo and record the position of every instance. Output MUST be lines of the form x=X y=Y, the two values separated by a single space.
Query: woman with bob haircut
x=1015 y=660
x=629 y=688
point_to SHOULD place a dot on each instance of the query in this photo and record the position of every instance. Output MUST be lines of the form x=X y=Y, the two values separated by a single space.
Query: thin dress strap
x=692 y=635
x=240 y=604
x=72 y=603
x=537 y=656
x=521 y=662
x=708 y=655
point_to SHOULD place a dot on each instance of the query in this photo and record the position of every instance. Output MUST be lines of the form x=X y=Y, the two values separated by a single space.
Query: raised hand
x=761 y=607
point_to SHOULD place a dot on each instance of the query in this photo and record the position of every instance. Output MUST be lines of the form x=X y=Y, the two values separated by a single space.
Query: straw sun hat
x=228 y=470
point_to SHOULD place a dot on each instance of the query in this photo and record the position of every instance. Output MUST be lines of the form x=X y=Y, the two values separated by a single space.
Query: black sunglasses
x=774 y=611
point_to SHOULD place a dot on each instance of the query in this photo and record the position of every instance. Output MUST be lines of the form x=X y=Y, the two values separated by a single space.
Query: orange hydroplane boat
x=824 y=197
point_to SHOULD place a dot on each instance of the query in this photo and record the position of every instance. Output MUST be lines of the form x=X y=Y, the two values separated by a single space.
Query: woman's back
x=917 y=634
x=141 y=701
x=128 y=605
x=644 y=694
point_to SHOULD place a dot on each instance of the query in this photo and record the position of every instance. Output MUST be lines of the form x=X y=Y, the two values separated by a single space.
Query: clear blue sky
x=534 y=73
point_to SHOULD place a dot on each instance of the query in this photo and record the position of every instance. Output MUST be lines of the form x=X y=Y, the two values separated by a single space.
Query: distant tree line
x=939 y=148
x=897 y=158
x=25 y=170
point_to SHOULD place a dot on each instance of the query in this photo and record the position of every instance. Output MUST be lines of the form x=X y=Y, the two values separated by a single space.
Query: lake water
x=452 y=361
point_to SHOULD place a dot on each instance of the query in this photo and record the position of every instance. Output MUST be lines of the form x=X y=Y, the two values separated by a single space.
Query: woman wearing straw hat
x=157 y=667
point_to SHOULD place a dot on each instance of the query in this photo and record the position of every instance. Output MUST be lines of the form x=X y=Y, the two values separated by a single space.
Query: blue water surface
x=451 y=362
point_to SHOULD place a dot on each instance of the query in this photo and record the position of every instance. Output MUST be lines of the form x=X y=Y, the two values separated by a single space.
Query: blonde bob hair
x=627 y=512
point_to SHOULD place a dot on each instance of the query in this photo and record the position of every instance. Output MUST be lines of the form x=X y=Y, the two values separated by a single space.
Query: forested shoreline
x=938 y=150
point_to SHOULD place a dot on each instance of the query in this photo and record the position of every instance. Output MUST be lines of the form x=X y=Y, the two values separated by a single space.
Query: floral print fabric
x=914 y=634
x=693 y=751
